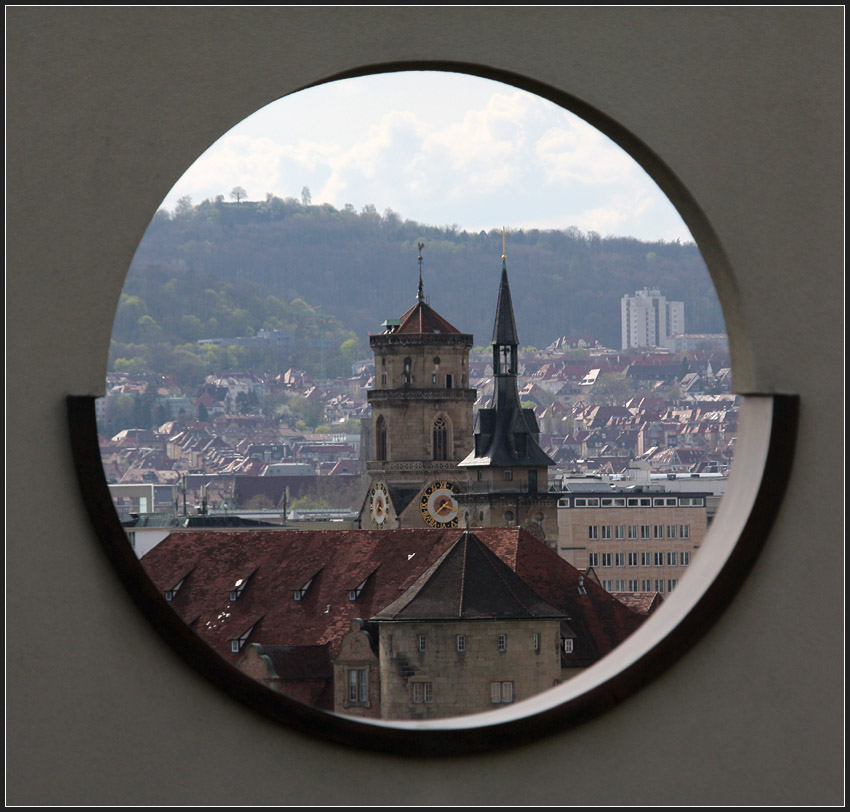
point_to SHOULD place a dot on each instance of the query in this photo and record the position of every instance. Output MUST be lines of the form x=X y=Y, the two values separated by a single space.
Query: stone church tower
x=507 y=470
x=421 y=420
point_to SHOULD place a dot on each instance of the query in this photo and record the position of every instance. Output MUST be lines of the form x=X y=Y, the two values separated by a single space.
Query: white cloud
x=438 y=148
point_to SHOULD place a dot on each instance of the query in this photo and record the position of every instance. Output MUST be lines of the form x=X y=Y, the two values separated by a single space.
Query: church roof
x=504 y=326
x=469 y=582
x=423 y=319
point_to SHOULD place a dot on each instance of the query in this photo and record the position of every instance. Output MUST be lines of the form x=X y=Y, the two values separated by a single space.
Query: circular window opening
x=337 y=259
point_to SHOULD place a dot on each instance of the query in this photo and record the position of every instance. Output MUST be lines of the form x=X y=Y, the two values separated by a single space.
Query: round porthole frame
x=761 y=469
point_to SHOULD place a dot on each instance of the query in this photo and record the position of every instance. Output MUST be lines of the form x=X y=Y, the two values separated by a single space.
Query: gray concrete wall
x=738 y=113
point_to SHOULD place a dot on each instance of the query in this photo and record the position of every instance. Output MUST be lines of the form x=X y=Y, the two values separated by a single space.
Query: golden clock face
x=438 y=505
x=378 y=504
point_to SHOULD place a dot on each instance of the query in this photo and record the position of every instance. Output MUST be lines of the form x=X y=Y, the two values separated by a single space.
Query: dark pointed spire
x=504 y=327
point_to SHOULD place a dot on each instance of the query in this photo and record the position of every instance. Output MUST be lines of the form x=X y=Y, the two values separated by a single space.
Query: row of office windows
x=634 y=531
x=631 y=501
x=635 y=559
x=641 y=585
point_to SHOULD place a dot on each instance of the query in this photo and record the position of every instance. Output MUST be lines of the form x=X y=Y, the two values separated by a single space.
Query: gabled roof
x=468 y=582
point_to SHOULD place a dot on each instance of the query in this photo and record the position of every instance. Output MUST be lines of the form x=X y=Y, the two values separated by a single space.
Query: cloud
x=437 y=149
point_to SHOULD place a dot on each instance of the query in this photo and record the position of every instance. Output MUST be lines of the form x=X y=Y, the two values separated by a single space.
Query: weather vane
x=420 y=295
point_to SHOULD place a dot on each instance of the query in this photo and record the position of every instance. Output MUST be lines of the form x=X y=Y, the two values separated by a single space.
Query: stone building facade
x=421 y=425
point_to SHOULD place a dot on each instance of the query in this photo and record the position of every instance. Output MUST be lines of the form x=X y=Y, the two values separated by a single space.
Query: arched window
x=405 y=375
x=380 y=438
x=441 y=439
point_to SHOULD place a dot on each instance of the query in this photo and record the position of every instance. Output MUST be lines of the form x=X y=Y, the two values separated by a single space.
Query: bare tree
x=238 y=193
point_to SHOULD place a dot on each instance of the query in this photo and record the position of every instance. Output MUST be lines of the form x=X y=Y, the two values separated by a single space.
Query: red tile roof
x=422 y=318
x=337 y=562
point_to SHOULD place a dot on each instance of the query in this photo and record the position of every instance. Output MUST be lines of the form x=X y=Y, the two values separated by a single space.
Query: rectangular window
x=671 y=584
x=646 y=559
x=509 y=475
x=686 y=559
x=620 y=531
x=536 y=641
x=633 y=585
x=423 y=693
x=671 y=531
x=461 y=642
x=646 y=585
x=501 y=692
x=672 y=559
x=620 y=559
x=659 y=585
x=503 y=642
x=633 y=531
x=645 y=531
x=620 y=586
x=658 y=531
x=606 y=559
x=594 y=560
x=659 y=559
x=608 y=585
x=358 y=686
x=593 y=531
x=633 y=559
x=684 y=531
x=568 y=645
x=606 y=531
x=449 y=381
x=421 y=642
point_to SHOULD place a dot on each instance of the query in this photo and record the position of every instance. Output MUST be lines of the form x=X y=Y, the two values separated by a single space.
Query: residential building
x=648 y=319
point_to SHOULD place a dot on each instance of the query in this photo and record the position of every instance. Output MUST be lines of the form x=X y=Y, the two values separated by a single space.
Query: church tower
x=507 y=470
x=421 y=419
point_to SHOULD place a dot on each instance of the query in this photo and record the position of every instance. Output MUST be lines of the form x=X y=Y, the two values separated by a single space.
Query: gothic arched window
x=380 y=438
x=441 y=439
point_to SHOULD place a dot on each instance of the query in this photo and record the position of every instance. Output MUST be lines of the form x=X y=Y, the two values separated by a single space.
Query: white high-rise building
x=649 y=320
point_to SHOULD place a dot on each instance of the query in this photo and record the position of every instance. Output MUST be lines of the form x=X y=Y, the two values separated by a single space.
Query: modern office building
x=634 y=539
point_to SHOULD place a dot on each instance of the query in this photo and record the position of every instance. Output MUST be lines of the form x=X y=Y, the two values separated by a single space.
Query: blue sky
x=441 y=149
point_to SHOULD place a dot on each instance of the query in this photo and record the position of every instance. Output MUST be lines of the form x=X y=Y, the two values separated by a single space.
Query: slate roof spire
x=506 y=435
x=504 y=326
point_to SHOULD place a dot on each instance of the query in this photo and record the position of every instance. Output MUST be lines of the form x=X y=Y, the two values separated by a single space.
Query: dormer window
x=299 y=594
x=354 y=594
x=171 y=594
x=239 y=587
x=237 y=644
